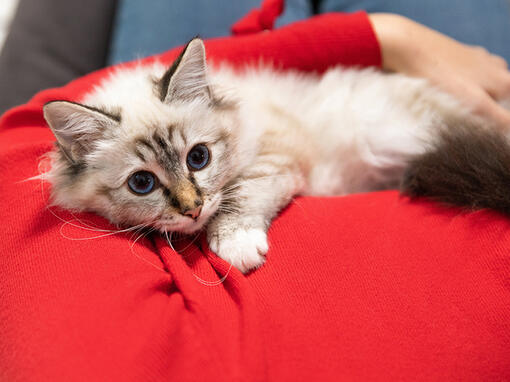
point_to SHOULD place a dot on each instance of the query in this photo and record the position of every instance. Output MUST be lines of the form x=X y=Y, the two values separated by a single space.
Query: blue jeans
x=476 y=22
x=147 y=27
x=153 y=26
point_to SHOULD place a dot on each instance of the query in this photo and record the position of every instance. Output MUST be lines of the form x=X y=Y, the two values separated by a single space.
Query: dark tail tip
x=467 y=167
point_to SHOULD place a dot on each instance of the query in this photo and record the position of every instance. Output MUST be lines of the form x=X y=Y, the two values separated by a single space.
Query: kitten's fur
x=270 y=135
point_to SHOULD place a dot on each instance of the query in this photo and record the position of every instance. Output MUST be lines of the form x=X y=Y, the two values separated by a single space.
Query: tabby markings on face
x=116 y=145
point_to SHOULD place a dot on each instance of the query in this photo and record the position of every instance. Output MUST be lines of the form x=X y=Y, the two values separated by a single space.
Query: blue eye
x=198 y=157
x=142 y=182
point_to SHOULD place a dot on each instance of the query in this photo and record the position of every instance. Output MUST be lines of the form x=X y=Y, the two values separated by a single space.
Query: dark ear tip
x=197 y=46
x=197 y=41
x=196 y=38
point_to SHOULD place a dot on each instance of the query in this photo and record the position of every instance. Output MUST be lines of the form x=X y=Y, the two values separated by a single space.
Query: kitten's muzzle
x=187 y=199
x=193 y=213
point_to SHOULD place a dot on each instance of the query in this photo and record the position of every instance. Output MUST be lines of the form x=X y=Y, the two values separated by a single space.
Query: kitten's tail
x=467 y=166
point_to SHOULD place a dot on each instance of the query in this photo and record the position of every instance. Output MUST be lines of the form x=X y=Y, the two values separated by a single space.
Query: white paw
x=243 y=248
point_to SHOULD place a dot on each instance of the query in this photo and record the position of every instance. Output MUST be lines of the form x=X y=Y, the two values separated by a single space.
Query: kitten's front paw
x=245 y=249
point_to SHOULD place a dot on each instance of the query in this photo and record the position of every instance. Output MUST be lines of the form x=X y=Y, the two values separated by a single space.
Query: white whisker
x=213 y=283
x=141 y=258
x=192 y=241
x=169 y=240
x=200 y=280
x=87 y=227
x=98 y=236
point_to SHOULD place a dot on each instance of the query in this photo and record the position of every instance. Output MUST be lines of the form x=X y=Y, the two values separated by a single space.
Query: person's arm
x=314 y=44
x=473 y=75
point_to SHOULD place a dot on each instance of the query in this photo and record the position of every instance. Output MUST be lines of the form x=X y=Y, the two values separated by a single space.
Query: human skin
x=476 y=77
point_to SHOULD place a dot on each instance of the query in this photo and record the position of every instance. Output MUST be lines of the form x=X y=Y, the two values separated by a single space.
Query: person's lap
x=368 y=279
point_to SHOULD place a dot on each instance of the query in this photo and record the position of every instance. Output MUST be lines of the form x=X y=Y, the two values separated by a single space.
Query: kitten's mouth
x=186 y=224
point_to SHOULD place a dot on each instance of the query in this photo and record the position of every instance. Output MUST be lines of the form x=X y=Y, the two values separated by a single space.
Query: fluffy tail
x=467 y=167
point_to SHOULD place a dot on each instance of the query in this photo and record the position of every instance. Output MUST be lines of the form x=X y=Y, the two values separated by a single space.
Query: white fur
x=347 y=131
x=361 y=125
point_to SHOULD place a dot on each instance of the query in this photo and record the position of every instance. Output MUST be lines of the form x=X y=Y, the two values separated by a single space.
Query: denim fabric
x=153 y=26
x=478 y=22
x=294 y=10
x=142 y=28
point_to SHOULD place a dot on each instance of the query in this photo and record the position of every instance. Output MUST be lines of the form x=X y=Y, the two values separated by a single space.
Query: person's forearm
x=311 y=45
x=392 y=31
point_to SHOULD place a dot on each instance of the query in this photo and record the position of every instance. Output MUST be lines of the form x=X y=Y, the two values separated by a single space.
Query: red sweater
x=361 y=287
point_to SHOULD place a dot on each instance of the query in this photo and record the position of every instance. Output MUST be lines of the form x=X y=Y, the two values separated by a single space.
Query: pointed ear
x=76 y=126
x=187 y=77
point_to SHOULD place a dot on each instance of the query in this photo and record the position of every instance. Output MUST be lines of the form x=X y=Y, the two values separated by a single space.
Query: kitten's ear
x=76 y=126
x=187 y=77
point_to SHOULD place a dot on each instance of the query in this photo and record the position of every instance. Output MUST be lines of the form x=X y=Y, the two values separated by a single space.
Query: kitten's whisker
x=98 y=236
x=141 y=258
x=199 y=279
x=84 y=226
x=89 y=227
x=191 y=243
x=143 y=234
x=228 y=210
x=169 y=240
x=213 y=283
x=136 y=231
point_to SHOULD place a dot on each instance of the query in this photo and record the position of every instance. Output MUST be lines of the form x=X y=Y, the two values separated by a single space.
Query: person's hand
x=474 y=76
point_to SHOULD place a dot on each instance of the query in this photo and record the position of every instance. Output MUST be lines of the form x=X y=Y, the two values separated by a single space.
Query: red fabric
x=364 y=287
x=260 y=19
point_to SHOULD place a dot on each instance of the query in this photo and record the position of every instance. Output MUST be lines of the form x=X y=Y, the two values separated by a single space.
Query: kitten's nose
x=193 y=213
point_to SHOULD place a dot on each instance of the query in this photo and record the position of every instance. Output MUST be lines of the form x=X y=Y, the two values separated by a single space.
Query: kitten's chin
x=187 y=225
x=194 y=227
x=186 y=228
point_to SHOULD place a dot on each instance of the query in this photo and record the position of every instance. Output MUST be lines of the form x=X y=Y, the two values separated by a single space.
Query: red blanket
x=364 y=287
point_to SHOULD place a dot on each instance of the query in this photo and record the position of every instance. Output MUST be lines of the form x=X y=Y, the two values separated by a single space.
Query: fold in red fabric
x=364 y=287
x=260 y=19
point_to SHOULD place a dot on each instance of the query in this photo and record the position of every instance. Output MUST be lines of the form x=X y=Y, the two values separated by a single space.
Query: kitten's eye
x=142 y=182
x=198 y=157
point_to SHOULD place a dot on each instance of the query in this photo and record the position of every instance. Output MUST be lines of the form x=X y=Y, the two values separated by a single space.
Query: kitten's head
x=163 y=155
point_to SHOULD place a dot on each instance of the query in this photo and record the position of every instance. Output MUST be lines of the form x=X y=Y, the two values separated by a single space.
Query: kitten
x=195 y=148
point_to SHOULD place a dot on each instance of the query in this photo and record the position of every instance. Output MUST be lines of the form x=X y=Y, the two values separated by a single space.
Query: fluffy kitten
x=193 y=148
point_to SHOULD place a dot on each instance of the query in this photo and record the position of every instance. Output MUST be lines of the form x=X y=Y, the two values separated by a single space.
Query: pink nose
x=194 y=213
